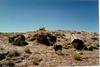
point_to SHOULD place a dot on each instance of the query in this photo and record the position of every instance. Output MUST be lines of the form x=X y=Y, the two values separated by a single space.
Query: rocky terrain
x=45 y=48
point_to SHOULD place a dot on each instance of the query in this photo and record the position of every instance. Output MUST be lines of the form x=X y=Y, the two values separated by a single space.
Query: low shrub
x=76 y=56
x=60 y=35
x=42 y=29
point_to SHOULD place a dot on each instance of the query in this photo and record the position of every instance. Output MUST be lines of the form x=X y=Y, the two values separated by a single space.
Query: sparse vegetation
x=49 y=48
x=94 y=46
x=42 y=29
x=8 y=33
x=76 y=56
x=60 y=34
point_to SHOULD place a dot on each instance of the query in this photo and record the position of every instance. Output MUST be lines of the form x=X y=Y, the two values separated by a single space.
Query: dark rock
x=57 y=47
x=3 y=54
x=90 y=48
x=78 y=44
x=18 y=40
x=47 y=39
x=95 y=38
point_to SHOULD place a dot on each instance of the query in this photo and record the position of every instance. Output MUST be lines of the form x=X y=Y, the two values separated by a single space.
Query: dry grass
x=94 y=46
x=76 y=56
x=60 y=34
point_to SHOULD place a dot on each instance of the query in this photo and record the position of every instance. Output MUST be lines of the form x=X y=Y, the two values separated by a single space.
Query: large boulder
x=18 y=40
x=78 y=44
x=47 y=39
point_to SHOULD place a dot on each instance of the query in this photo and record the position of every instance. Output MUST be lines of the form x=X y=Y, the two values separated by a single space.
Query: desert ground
x=47 y=48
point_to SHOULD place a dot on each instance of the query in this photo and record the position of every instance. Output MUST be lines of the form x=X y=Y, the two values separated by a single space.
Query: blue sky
x=29 y=15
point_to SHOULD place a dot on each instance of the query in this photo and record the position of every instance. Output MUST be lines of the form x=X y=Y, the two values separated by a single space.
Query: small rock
x=90 y=48
x=57 y=47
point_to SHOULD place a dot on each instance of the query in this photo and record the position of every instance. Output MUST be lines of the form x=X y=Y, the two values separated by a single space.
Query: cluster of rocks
x=46 y=39
x=49 y=40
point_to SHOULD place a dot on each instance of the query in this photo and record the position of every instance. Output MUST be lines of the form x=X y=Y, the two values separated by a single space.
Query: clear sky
x=29 y=15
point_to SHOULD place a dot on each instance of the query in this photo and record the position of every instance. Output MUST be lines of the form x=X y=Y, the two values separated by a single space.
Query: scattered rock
x=57 y=54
